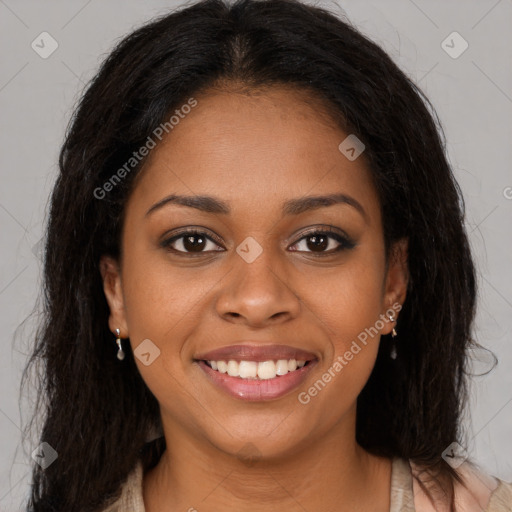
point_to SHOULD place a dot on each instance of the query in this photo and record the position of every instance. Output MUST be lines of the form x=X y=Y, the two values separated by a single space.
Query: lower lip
x=255 y=389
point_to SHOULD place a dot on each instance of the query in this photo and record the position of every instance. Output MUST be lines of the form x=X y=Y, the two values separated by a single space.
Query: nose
x=257 y=294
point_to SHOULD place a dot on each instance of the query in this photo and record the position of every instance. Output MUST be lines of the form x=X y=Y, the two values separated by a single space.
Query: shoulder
x=501 y=498
x=131 y=498
x=481 y=489
x=481 y=492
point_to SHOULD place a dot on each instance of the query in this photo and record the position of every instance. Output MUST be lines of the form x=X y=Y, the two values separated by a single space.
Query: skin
x=256 y=151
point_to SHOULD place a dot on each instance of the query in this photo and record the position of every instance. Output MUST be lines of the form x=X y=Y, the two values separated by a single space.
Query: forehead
x=252 y=149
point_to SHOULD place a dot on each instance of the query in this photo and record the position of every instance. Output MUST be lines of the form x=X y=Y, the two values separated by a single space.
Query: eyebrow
x=210 y=204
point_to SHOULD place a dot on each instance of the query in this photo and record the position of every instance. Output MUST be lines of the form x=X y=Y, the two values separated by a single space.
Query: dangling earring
x=393 y=335
x=120 y=352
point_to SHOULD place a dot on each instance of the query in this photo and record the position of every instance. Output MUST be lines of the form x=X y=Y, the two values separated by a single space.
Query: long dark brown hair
x=97 y=412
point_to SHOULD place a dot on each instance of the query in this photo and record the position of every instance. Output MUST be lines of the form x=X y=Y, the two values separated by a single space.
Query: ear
x=397 y=279
x=111 y=275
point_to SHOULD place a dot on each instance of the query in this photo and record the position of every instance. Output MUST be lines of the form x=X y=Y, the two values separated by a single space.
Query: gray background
x=472 y=94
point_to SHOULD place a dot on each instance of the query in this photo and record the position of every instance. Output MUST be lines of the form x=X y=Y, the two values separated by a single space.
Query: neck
x=194 y=474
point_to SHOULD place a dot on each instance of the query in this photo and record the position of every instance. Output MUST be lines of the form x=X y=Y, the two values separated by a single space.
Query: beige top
x=484 y=493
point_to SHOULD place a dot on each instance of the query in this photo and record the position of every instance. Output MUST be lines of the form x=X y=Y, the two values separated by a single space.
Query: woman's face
x=257 y=274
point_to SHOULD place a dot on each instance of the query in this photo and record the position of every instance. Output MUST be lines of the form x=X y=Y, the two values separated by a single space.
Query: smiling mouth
x=257 y=370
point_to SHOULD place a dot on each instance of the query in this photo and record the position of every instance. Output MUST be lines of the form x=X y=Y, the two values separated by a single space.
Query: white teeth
x=282 y=367
x=257 y=370
x=247 y=369
x=292 y=365
x=233 y=369
x=267 y=370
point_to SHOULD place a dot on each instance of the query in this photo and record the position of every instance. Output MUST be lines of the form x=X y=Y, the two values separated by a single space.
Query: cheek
x=161 y=305
x=353 y=319
x=349 y=299
x=166 y=304
x=354 y=349
x=158 y=297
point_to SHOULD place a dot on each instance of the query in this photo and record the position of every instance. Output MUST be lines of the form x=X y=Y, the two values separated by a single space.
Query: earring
x=120 y=352
x=393 y=353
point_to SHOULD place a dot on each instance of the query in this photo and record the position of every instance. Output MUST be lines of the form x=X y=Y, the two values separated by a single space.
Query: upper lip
x=256 y=352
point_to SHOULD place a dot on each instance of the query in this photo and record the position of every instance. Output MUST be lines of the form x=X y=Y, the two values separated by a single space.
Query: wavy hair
x=98 y=413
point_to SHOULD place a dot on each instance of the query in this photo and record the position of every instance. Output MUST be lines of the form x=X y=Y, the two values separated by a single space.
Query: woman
x=259 y=289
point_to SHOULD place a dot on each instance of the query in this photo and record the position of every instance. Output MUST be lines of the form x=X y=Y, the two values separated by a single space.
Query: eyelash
x=344 y=241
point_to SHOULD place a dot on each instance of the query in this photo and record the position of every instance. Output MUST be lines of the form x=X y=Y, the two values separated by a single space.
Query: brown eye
x=190 y=242
x=319 y=241
x=193 y=243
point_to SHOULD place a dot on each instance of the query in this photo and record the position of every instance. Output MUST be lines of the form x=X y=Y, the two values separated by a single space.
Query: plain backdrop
x=471 y=91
